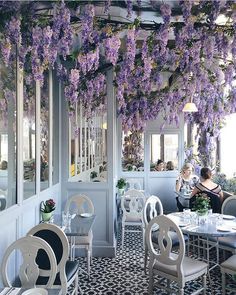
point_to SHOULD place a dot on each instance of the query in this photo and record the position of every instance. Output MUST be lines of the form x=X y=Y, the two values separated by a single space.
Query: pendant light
x=190 y=107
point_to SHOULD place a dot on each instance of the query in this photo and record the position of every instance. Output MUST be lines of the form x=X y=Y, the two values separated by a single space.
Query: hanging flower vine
x=194 y=53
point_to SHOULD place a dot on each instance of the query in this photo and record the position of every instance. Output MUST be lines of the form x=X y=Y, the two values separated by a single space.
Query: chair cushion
x=190 y=267
x=228 y=241
x=230 y=263
x=84 y=240
x=173 y=236
x=132 y=218
x=71 y=268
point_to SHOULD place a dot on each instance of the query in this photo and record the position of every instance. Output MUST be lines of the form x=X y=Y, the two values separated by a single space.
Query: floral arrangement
x=201 y=203
x=121 y=183
x=48 y=206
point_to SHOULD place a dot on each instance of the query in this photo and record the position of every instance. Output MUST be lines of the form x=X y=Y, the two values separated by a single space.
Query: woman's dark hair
x=159 y=162
x=206 y=173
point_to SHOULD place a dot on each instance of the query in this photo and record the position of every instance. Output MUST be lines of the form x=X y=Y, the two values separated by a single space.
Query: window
x=228 y=147
x=164 y=150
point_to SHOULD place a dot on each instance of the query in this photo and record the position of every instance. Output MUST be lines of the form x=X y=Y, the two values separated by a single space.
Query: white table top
x=209 y=229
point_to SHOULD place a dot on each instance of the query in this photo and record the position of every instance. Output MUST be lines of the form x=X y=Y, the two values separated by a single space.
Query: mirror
x=88 y=147
x=29 y=148
x=44 y=133
x=8 y=117
x=133 y=151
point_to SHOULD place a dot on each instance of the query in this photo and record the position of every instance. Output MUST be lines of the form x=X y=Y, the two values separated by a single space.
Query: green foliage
x=93 y=174
x=202 y=203
x=121 y=183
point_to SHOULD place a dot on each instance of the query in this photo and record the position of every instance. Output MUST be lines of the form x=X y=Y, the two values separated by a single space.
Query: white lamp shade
x=190 y=107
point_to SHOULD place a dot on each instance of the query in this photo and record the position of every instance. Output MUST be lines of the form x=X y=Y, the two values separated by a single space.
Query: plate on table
x=224 y=228
x=229 y=217
x=86 y=215
x=36 y=291
x=183 y=224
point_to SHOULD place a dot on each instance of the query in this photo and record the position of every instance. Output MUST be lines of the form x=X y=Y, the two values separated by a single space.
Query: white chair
x=228 y=267
x=3 y=199
x=81 y=204
x=229 y=208
x=66 y=270
x=167 y=264
x=132 y=204
x=152 y=208
x=29 y=270
x=133 y=183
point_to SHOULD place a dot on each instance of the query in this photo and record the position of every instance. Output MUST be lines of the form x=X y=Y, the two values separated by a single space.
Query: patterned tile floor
x=124 y=274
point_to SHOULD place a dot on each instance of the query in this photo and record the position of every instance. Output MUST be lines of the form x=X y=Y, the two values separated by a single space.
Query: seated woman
x=185 y=183
x=212 y=189
x=170 y=166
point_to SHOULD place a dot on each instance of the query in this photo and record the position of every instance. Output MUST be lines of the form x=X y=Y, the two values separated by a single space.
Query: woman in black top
x=212 y=189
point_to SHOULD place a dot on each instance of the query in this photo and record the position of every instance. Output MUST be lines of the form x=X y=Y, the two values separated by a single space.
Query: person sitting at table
x=160 y=165
x=212 y=189
x=170 y=166
x=185 y=183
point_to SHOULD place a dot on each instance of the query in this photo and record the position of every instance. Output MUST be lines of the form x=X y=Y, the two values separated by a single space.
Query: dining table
x=207 y=231
x=79 y=225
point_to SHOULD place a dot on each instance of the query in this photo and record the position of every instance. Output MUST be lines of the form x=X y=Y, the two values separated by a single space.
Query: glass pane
x=55 y=134
x=155 y=150
x=89 y=147
x=164 y=152
x=44 y=134
x=7 y=133
x=29 y=185
x=228 y=146
x=171 y=150
x=133 y=151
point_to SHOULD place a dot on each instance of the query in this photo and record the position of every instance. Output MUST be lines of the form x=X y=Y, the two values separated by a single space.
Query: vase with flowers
x=201 y=205
x=46 y=208
x=121 y=185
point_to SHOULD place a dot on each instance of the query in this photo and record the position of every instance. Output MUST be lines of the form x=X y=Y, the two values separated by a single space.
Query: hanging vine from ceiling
x=81 y=40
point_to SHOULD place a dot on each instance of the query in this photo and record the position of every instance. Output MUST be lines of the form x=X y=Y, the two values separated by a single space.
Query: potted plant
x=121 y=184
x=201 y=206
x=47 y=208
x=93 y=174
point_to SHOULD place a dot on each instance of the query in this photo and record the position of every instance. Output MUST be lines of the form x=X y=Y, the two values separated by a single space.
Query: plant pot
x=121 y=191
x=46 y=216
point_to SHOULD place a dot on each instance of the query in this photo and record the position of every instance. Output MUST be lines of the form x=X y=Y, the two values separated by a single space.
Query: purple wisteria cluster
x=184 y=57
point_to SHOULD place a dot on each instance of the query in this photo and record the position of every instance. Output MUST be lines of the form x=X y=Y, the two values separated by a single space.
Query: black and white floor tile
x=124 y=274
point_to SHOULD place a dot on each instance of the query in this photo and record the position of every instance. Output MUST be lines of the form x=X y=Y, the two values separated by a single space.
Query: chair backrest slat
x=229 y=206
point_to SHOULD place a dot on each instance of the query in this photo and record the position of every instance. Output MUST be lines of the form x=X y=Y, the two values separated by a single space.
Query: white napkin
x=12 y=292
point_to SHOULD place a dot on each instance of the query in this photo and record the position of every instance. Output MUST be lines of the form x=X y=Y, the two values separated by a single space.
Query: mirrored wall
x=8 y=117
x=88 y=146
x=44 y=134
x=133 y=151
x=29 y=136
